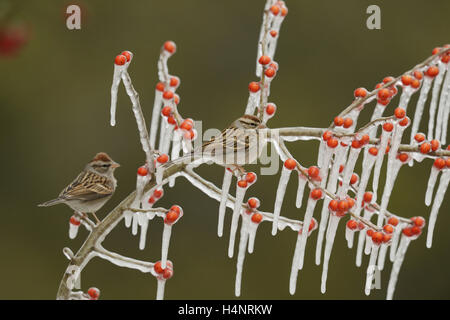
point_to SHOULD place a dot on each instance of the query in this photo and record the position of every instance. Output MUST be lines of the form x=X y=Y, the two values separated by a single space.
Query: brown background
x=54 y=102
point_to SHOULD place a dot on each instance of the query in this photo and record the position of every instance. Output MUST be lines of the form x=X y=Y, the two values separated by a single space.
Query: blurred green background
x=54 y=102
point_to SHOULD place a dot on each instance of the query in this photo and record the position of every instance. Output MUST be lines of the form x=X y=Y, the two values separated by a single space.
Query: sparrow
x=91 y=189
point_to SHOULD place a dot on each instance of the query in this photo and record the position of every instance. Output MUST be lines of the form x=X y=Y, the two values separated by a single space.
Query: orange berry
x=419 y=137
x=242 y=183
x=356 y=144
x=160 y=86
x=162 y=158
x=393 y=221
x=158 y=193
x=333 y=205
x=189 y=135
x=360 y=93
x=416 y=230
x=332 y=142
x=338 y=121
x=435 y=144
x=74 y=220
x=273 y=33
x=290 y=164
x=270 y=72
x=404 y=122
x=350 y=202
x=264 y=60
x=151 y=200
x=250 y=177
x=348 y=122
x=120 y=60
x=142 y=171
x=343 y=205
x=377 y=237
x=383 y=102
x=257 y=217
x=284 y=11
x=352 y=224
x=186 y=125
x=407 y=80
x=313 y=172
x=176 y=99
x=439 y=163
x=327 y=135
x=168 y=273
x=174 y=81
x=418 y=221
x=368 y=196
x=127 y=54
x=388 y=228
x=275 y=10
x=399 y=113
x=253 y=203
x=171 y=120
x=435 y=50
x=341 y=168
x=384 y=94
x=166 y=111
x=403 y=157
x=388 y=126
x=354 y=178
x=270 y=109
x=168 y=95
x=157 y=267
x=407 y=232
x=415 y=84
x=386 y=238
x=418 y=75
x=316 y=194
x=432 y=71
x=171 y=217
x=370 y=232
x=170 y=46
x=253 y=86
x=447 y=161
x=388 y=79
x=373 y=151
x=93 y=293
x=364 y=139
x=425 y=147
x=446 y=58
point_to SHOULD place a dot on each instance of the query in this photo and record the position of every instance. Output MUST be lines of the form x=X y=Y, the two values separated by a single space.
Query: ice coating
x=430 y=185
x=253 y=100
x=143 y=234
x=167 y=231
x=157 y=104
x=348 y=171
x=267 y=18
x=251 y=229
x=394 y=242
x=440 y=193
x=114 y=89
x=434 y=98
x=331 y=233
x=382 y=256
x=371 y=268
x=442 y=116
x=405 y=97
x=281 y=190
x=362 y=240
x=243 y=240
x=160 y=289
x=328 y=154
x=322 y=148
x=426 y=85
x=223 y=200
x=300 y=190
x=304 y=236
x=73 y=231
x=399 y=257
x=395 y=143
x=240 y=193
x=391 y=176
x=385 y=135
x=294 y=268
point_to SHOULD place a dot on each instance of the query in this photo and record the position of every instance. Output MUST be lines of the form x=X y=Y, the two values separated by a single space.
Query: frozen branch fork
x=335 y=190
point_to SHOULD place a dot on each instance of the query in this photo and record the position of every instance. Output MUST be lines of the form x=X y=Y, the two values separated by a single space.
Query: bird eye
x=106 y=165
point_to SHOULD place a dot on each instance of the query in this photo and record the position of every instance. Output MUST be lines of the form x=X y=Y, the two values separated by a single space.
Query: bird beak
x=115 y=165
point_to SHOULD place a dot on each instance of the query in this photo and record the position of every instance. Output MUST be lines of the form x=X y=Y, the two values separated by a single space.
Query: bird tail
x=50 y=202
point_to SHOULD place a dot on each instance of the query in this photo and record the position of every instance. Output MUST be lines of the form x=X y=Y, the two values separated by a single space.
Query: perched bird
x=91 y=189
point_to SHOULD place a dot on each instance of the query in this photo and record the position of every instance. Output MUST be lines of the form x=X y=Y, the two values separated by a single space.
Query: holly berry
x=373 y=151
x=158 y=193
x=332 y=142
x=407 y=80
x=415 y=84
x=348 y=122
x=384 y=94
x=393 y=221
x=275 y=10
x=160 y=86
x=360 y=93
x=186 y=125
x=418 y=221
x=157 y=267
x=142 y=171
x=388 y=228
x=356 y=144
x=257 y=217
x=403 y=157
x=250 y=177
x=168 y=95
x=242 y=183
x=127 y=54
x=253 y=203
x=404 y=122
x=74 y=221
x=120 y=60
x=270 y=109
x=377 y=237
x=93 y=293
x=327 y=135
x=354 y=178
x=368 y=196
x=162 y=158
x=418 y=75
x=270 y=72
x=370 y=232
x=254 y=86
x=338 y=121
x=343 y=205
x=407 y=232
x=171 y=217
x=439 y=163
x=399 y=113
x=316 y=194
x=432 y=71
x=333 y=205
x=435 y=144
x=264 y=60
x=388 y=126
x=166 y=111
x=419 y=137
x=313 y=172
x=290 y=164
x=425 y=147
x=388 y=79
x=170 y=47
x=168 y=273
x=273 y=33
x=352 y=224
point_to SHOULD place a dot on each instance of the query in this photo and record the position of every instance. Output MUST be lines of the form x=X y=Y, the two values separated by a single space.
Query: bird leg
x=96 y=219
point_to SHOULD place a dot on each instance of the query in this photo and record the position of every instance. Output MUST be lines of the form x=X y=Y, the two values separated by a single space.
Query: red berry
x=327 y=135
x=384 y=94
x=407 y=80
x=360 y=93
x=176 y=99
x=94 y=293
x=186 y=125
x=332 y=142
x=446 y=58
x=388 y=228
x=270 y=72
x=350 y=202
x=388 y=79
x=356 y=144
x=120 y=60
x=168 y=95
x=403 y=157
x=338 y=121
x=127 y=54
x=176 y=208
x=399 y=113
x=370 y=232
x=418 y=221
x=393 y=221
x=404 y=122
x=435 y=144
x=160 y=86
x=273 y=33
x=368 y=196
x=157 y=267
x=174 y=81
x=270 y=109
x=447 y=161
x=435 y=50
x=341 y=168
x=284 y=11
x=348 y=122
x=151 y=200
x=352 y=224
x=386 y=238
x=439 y=163
x=419 y=137
x=253 y=86
x=189 y=135
x=425 y=147
x=388 y=126
x=377 y=237
x=171 y=120
x=166 y=111
x=343 y=205
x=415 y=84
x=253 y=203
x=316 y=194
x=290 y=164
x=158 y=193
x=373 y=151
x=354 y=178
x=171 y=217
x=257 y=217
x=384 y=102
x=407 y=232
x=242 y=183
x=170 y=46
x=432 y=71
x=168 y=273
x=313 y=172
x=416 y=230
x=162 y=158
x=250 y=177
x=75 y=221
x=418 y=75
x=142 y=171
x=275 y=10
x=333 y=205
x=264 y=60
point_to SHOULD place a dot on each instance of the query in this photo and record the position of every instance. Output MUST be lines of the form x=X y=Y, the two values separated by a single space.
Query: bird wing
x=88 y=186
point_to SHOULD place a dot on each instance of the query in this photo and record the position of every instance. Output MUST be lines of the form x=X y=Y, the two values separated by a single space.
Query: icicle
x=400 y=256
x=143 y=235
x=243 y=240
x=446 y=114
x=167 y=231
x=391 y=176
x=294 y=268
x=128 y=217
x=253 y=100
x=168 y=139
x=440 y=193
x=300 y=190
x=331 y=233
x=134 y=225
x=114 y=88
x=442 y=102
x=281 y=190
x=304 y=237
x=176 y=148
x=430 y=186
x=385 y=135
x=395 y=143
x=223 y=200
x=74 y=224
x=322 y=149
x=377 y=113
x=252 y=228
x=434 y=98
x=348 y=171
x=160 y=289
x=240 y=193
x=157 y=104
x=371 y=268
x=382 y=256
x=395 y=239
x=328 y=154
x=405 y=97
x=163 y=134
x=426 y=85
